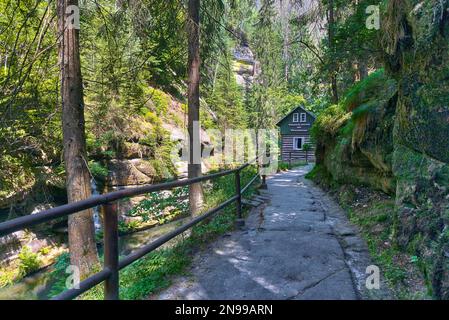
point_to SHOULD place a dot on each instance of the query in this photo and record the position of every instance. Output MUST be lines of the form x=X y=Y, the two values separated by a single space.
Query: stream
x=37 y=286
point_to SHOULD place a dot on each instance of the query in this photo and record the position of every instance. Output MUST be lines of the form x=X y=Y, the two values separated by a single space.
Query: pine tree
x=83 y=250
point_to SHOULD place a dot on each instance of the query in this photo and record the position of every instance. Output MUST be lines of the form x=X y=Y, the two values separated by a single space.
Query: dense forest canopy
x=133 y=53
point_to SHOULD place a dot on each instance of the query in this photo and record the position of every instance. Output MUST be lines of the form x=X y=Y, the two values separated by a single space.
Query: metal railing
x=112 y=265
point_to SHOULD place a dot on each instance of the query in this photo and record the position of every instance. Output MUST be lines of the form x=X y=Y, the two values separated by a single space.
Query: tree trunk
x=331 y=35
x=285 y=14
x=83 y=250
x=194 y=166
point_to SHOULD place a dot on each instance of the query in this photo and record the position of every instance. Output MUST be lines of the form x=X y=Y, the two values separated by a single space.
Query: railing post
x=289 y=161
x=111 y=285
x=238 y=190
x=264 y=182
x=263 y=186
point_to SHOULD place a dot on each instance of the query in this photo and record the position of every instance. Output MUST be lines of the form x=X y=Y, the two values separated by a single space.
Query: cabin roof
x=295 y=109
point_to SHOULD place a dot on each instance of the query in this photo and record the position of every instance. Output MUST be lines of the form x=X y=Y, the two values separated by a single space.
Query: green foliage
x=7 y=276
x=150 y=116
x=128 y=227
x=29 y=134
x=369 y=93
x=59 y=274
x=386 y=257
x=28 y=261
x=44 y=250
x=320 y=175
x=307 y=147
x=227 y=97
x=159 y=205
x=160 y=100
x=98 y=170
x=329 y=122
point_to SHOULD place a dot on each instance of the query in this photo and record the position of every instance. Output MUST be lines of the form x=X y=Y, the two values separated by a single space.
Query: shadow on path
x=299 y=250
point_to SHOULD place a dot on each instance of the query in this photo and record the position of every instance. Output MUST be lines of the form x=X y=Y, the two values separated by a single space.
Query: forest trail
x=299 y=245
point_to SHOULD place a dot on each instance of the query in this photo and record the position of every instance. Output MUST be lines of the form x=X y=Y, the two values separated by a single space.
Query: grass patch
x=285 y=165
x=320 y=175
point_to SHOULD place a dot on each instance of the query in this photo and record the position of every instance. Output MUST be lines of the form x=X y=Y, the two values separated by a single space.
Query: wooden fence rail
x=112 y=265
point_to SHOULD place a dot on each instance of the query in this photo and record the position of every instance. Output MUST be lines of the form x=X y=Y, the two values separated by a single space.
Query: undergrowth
x=374 y=213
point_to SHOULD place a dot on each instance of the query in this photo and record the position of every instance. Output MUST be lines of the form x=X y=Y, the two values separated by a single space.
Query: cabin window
x=298 y=143
x=296 y=117
x=303 y=117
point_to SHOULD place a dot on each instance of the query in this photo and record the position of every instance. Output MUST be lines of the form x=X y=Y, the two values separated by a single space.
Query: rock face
x=401 y=145
x=131 y=172
x=246 y=68
x=419 y=60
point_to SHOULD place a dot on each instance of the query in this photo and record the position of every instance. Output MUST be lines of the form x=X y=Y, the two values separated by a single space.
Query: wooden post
x=264 y=181
x=289 y=160
x=238 y=190
x=111 y=285
x=263 y=186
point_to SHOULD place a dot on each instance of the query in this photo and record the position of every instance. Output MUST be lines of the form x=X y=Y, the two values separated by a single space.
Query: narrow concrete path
x=297 y=246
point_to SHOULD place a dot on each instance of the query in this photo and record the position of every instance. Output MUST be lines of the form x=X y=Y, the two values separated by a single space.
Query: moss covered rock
x=354 y=139
x=419 y=60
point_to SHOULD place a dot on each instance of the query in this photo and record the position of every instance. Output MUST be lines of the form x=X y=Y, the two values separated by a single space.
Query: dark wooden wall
x=287 y=148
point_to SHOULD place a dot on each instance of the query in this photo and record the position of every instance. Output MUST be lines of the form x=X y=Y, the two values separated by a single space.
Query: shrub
x=160 y=100
x=44 y=251
x=156 y=203
x=28 y=261
x=330 y=121
x=98 y=170
x=7 y=277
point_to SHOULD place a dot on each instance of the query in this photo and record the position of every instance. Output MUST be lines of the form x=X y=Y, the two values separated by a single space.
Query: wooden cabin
x=295 y=133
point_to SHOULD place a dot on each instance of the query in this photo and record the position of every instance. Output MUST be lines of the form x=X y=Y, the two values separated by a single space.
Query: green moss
x=372 y=91
x=329 y=122
x=321 y=176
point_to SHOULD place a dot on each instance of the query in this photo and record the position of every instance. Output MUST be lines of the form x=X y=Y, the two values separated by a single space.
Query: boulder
x=130 y=172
